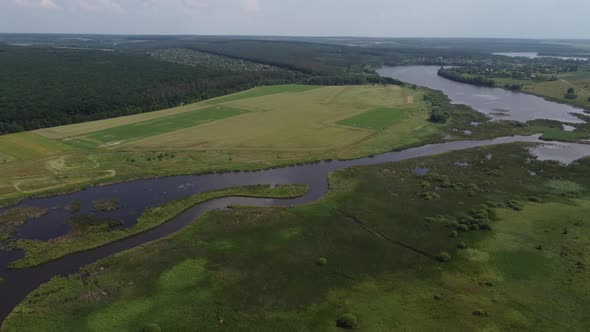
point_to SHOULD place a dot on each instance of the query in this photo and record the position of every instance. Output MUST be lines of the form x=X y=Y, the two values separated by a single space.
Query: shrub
x=474 y=227
x=534 y=199
x=74 y=207
x=516 y=87
x=462 y=228
x=347 y=321
x=453 y=234
x=115 y=223
x=479 y=313
x=486 y=226
x=438 y=116
x=443 y=257
x=429 y=195
x=453 y=224
x=321 y=261
x=106 y=205
x=514 y=205
x=461 y=245
x=152 y=328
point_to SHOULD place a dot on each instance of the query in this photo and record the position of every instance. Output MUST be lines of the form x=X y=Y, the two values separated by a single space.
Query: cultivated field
x=262 y=127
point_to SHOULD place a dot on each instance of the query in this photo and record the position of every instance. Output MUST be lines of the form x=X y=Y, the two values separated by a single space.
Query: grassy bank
x=84 y=237
x=480 y=245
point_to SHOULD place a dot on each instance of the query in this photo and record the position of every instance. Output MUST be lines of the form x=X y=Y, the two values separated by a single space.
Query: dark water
x=497 y=103
x=142 y=194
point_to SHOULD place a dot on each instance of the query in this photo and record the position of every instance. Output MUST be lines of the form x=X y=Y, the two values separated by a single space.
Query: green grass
x=281 y=125
x=530 y=247
x=38 y=252
x=26 y=146
x=162 y=125
x=377 y=119
x=263 y=91
x=255 y=269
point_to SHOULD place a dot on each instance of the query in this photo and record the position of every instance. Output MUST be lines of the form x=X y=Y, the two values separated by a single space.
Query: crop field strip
x=302 y=120
x=160 y=126
x=27 y=145
x=377 y=119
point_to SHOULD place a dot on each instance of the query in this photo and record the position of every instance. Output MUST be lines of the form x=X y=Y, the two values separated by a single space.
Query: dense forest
x=43 y=85
x=459 y=77
x=49 y=80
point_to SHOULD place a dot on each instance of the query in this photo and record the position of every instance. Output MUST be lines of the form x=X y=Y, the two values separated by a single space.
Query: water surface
x=535 y=55
x=499 y=104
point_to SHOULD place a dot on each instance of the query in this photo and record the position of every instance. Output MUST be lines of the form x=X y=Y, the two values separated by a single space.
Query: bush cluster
x=347 y=321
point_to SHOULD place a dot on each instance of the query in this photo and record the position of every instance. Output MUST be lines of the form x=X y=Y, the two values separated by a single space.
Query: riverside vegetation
x=390 y=259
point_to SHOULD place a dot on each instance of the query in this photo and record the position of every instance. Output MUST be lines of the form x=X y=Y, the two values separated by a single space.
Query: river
x=137 y=196
x=499 y=104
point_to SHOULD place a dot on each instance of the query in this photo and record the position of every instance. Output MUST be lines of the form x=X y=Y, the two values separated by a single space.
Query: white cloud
x=99 y=6
x=176 y=4
x=195 y=4
x=42 y=4
x=251 y=6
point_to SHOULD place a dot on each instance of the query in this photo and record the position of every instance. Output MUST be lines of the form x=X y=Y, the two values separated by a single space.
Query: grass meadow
x=556 y=90
x=255 y=129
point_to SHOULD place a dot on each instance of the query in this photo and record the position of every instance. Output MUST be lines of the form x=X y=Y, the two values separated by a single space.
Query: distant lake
x=499 y=104
x=535 y=55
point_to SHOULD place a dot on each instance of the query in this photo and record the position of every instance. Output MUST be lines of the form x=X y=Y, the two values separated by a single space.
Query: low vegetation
x=253 y=268
x=106 y=205
x=13 y=217
x=558 y=80
x=260 y=128
x=89 y=232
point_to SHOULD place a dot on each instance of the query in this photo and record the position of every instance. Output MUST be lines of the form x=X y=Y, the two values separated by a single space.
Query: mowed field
x=258 y=128
x=270 y=118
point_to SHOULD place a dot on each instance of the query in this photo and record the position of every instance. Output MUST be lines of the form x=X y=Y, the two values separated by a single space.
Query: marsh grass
x=251 y=266
x=91 y=232
x=106 y=205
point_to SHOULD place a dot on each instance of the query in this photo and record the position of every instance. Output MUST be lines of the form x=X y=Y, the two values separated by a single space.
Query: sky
x=369 y=18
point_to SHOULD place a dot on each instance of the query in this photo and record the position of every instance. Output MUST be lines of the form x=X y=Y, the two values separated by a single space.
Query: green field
x=556 y=90
x=380 y=239
x=27 y=146
x=262 y=91
x=376 y=119
x=260 y=128
x=116 y=135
